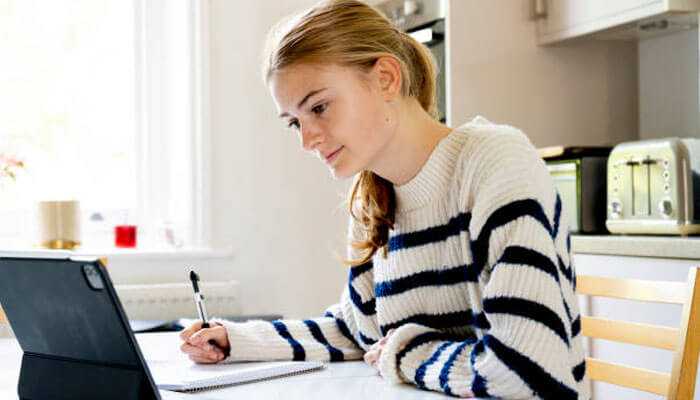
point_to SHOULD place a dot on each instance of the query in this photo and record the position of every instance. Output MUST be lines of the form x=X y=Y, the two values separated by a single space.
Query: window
x=104 y=102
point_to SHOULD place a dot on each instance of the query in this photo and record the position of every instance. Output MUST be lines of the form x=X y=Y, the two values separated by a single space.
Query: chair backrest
x=683 y=341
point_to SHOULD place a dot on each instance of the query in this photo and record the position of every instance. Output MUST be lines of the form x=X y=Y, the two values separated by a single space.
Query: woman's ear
x=387 y=71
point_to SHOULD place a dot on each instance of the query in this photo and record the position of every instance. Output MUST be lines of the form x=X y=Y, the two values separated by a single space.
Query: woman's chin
x=340 y=173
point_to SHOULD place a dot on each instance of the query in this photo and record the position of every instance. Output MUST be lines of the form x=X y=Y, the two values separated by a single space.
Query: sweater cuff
x=388 y=366
x=245 y=340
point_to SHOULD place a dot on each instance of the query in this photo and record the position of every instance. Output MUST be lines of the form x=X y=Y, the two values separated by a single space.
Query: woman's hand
x=375 y=352
x=205 y=346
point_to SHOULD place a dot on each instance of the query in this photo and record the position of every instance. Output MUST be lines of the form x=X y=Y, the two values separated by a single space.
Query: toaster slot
x=653 y=183
x=638 y=190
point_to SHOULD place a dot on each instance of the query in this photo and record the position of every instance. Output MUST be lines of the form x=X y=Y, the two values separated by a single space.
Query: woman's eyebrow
x=304 y=100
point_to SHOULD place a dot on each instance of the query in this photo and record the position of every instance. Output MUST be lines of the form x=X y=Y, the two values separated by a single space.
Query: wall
x=276 y=206
x=578 y=94
x=669 y=86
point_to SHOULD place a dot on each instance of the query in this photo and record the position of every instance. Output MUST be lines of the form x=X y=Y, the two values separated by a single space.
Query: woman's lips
x=334 y=155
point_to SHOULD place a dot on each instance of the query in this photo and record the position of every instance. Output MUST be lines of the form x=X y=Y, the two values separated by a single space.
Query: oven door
x=432 y=35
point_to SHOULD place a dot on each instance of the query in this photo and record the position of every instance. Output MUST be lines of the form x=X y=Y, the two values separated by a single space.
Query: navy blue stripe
x=479 y=382
x=579 y=371
x=533 y=258
x=335 y=354
x=501 y=217
x=445 y=371
x=542 y=383
x=456 y=319
x=343 y=328
x=557 y=216
x=420 y=372
x=527 y=309
x=360 y=269
x=366 y=308
x=367 y=340
x=566 y=306
x=525 y=256
x=567 y=272
x=417 y=341
x=576 y=327
x=454 y=226
x=476 y=351
x=450 y=276
x=479 y=387
x=299 y=353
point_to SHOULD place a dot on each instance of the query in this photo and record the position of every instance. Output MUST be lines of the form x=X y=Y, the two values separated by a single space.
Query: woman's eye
x=319 y=109
x=293 y=124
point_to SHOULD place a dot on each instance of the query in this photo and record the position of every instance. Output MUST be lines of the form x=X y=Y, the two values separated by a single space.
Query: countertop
x=637 y=245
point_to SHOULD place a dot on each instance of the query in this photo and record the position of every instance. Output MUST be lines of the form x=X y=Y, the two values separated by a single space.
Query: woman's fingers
x=372 y=356
x=199 y=360
x=217 y=334
x=189 y=331
x=202 y=354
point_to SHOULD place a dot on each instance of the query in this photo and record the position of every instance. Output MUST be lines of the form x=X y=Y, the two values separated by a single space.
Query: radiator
x=168 y=301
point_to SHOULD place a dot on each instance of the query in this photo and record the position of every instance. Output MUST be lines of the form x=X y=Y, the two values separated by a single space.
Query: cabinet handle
x=538 y=9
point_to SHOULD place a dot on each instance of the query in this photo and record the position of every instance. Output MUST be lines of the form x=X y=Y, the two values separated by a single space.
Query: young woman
x=460 y=276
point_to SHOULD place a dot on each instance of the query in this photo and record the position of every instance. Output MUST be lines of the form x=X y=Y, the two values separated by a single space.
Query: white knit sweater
x=477 y=283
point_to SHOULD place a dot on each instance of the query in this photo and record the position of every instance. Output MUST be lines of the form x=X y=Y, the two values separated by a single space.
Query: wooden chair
x=684 y=341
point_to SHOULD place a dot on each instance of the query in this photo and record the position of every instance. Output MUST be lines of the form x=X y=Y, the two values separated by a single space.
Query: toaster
x=653 y=187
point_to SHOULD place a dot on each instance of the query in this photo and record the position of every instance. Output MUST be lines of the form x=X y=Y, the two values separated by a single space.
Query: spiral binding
x=219 y=383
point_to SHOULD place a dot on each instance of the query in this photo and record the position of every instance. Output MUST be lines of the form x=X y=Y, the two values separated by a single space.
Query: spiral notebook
x=192 y=377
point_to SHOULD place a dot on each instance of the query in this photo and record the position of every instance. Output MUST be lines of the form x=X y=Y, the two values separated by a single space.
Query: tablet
x=73 y=331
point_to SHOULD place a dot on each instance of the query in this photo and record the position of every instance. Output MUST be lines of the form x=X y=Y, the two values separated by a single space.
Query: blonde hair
x=351 y=33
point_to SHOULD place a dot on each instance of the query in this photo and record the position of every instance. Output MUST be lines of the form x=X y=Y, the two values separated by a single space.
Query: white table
x=344 y=380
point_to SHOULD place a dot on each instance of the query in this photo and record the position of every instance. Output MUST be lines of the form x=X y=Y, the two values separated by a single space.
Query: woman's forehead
x=291 y=84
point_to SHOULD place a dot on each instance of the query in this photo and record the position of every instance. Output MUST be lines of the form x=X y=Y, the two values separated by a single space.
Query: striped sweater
x=477 y=282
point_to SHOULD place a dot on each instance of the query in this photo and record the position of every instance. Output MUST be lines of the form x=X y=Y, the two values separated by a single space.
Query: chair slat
x=661 y=337
x=685 y=363
x=630 y=377
x=632 y=289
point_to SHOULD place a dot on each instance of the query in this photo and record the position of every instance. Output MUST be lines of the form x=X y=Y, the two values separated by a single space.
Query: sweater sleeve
x=522 y=348
x=345 y=331
x=327 y=338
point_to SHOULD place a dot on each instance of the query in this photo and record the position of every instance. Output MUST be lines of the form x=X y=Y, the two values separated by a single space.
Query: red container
x=125 y=236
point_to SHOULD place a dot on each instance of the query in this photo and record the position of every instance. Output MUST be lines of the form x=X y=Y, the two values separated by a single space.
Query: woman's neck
x=412 y=143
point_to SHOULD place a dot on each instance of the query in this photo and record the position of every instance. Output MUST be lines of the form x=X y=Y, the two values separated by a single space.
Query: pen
x=199 y=299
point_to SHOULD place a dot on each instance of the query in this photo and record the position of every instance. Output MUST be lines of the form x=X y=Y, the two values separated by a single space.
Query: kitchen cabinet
x=560 y=20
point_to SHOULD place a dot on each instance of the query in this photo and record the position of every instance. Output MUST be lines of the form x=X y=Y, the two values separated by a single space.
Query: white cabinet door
x=572 y=18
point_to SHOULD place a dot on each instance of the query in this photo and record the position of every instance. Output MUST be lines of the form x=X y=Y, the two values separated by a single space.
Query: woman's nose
x=310 y=137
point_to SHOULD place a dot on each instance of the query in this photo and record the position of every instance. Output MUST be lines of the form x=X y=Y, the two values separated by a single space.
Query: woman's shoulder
x=500 y=157
x=490 y=145
x=481 y=132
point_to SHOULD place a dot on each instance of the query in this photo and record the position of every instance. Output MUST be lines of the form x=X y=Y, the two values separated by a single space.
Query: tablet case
x=74 y=333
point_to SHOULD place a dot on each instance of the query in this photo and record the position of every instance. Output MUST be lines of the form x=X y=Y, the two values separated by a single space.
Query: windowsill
x=155 y=254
